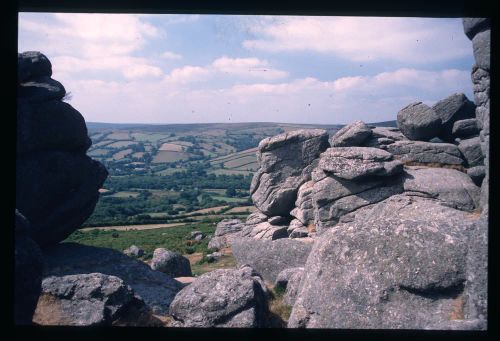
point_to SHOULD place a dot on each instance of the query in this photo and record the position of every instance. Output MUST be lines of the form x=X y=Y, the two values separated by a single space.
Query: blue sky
x=152 y=68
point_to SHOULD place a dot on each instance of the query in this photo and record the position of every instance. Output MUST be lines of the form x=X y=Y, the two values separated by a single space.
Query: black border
x=409 y=8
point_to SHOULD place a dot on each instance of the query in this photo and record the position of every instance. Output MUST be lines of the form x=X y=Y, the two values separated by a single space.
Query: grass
x=202 y=266
x=119 y=144
x=171 y=238
x=121 y=154
x=170 y=147
x=118 y=136
x=165 y=156
x=98 y=152
x=279 y=312
x=125 y=194
x=228 y=199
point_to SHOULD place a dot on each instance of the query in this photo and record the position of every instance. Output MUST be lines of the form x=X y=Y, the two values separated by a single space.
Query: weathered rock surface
x=134 y=251
x=264 y=231
x=155 y=288
x=297 y=230
x=41 y=89
x=418 y=121
x=32 y=64
x=393 y=267
x=256 y=217
x=426 y=152
x=270 y=257
x=481 y=47
x=50 y=125
x=293 y=287
x=284 y=277
x=284 y=161
x=472 y=26
x=90 y=300
x=232 y=298
x=353 y=134
x=453 y=188
x=465 y=128
x=358 y=162
x=477 y=174
x=471 y=150
x=57 y=191
x=28 y=269
x=451 y=109
x=225 y=233
x=171 y=263
x=303 y=210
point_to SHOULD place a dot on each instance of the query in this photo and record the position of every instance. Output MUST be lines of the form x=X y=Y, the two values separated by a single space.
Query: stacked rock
x=56 y=182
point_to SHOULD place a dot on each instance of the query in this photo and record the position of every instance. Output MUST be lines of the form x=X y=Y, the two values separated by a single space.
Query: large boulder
x=90 y=299
x=451 y=109
x=481 y=86
x=264 y=231
x=382 y=136
x=285 y=164
x=134 y=251
x=353 y=134
x=171 y=263
x=284 y=277
x=303 y=210
x=473 y=26
x=418 y=121
x=465 y=128
x=231 y=298
x=293 y=287
x=57 y=191
x=50 y=125
x=354 y=163
x=426 y=152
x=477 y=174
x=41 y=89
x=32 y=64
x=28 y=268
x=270 y=257
x=226 y=231
x=481 y=47
x=400 y=264
x=452 y=187
x=471 y=150
x=155 y=288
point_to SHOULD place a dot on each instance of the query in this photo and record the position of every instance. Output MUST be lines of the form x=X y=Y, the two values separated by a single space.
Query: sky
x=166 y=68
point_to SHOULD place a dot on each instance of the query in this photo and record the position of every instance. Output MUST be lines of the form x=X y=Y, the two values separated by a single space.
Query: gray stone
x=471 y=150
x=472 y=26
x=481 y=86
x=299 y=233
x=436 y=140
x=225 y=233
x=41 y=89
x=50 y=125
x=481 y=46
x=256 y=217
x=473 y=324
x=303 y=210
x=270 y=257
x=451 y=109
x=134 y=251
x=283 y=162
x=426 y=152
x=453 y=188
x=88 y=300
x=465 y=128
x=197 y=235
x=32 y=64
x=231 y=298
x=418 y=121
x=293 y=287
x=358 y=162
x=476 y=287
x=155 y=288
x=171 y=263
x=214 y=256
x=264 y=231
x=28 y=267
x=285 y=275
x=57 y=192
x=353 y=134
x=477 y=174
x=393 y=267
x=278 y=220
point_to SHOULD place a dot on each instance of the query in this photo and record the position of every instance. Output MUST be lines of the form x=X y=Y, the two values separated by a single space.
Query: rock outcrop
x=418 y=121
x=56 y=183
x=426 y=152
x=171 y=263
x=230 y=298
x=353 y=134
x=392 y=267
x=90 y=299
x=225 y=233
x=451 y=109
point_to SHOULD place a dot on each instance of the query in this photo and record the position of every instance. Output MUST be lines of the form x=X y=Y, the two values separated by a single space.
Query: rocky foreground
x=374 y=227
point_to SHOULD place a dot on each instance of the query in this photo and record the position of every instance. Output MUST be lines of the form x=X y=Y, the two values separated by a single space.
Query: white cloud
x=187 y=74
x=247 y=67
x=171 y=55
x=418 y=40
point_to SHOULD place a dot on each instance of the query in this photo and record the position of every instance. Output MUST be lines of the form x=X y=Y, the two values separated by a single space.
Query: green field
x=164 y=156
x=121 y=154
x=119 y=144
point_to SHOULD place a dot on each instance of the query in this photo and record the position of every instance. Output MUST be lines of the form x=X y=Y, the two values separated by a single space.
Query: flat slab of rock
x=231 y=298
x=90 y=299
x=264 y=231
x=171 y=263
x=465 y=128
x=400 y=264
x=155 y=288
x=353 y=134
x=358 y=162
x=418 y=121
x=452 y=187
x=426 y=152
x=226 y=231
x=256 y=217
x=451 y=109
x=270 y=257
x=285 y=164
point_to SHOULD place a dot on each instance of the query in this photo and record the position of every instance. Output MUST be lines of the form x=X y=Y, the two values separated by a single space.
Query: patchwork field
x=166 y=156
